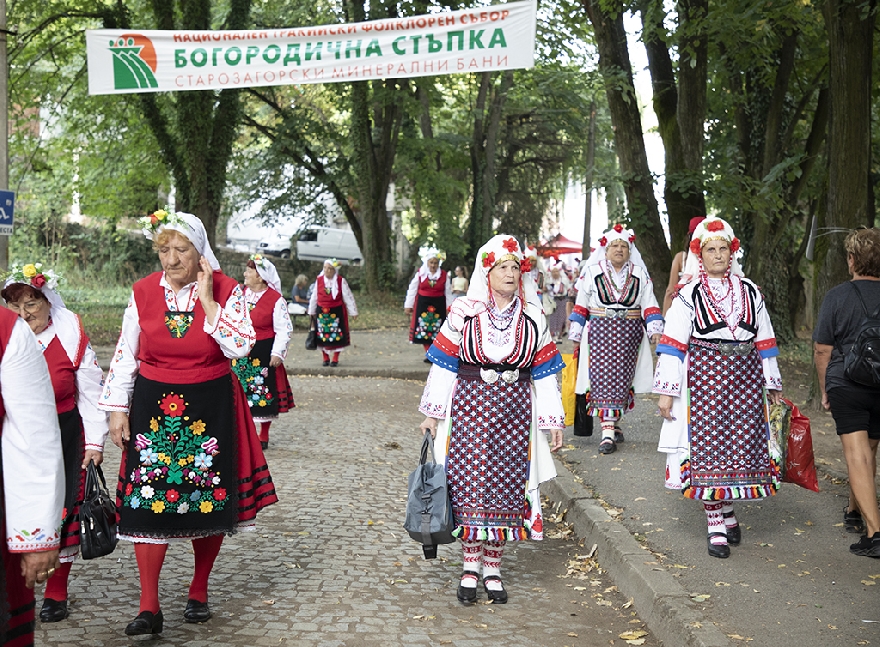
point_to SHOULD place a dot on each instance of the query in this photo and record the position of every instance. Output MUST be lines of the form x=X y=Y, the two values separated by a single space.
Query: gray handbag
x=429 y=517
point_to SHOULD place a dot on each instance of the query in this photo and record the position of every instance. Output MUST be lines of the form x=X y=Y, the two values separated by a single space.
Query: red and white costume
x=33 y=472
x=332 y=302
x=429 y=295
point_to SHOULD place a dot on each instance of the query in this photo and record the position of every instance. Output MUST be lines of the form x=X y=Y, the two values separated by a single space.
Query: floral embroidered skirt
x=266 y=388
x=728 y=432
x=193 y=466
x=332 y=327
x=428 y=315
x=72 y=449
x=488 y=462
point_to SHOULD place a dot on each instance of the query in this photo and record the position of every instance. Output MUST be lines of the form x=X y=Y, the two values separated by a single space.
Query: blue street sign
x=7 y=212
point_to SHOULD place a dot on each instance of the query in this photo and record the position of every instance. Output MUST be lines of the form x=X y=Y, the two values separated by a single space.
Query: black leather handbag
x=97 y=516
x=312 y=337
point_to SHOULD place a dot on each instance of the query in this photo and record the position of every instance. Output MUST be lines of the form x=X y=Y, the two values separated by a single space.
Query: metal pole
x=4 y=128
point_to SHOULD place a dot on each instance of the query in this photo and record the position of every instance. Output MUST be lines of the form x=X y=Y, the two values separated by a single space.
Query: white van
x=320 y=243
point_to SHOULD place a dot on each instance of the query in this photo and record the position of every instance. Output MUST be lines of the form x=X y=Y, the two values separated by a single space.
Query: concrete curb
x=394 y=373
x=659 y=600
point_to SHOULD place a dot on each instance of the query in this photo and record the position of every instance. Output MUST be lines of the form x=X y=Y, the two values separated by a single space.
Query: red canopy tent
x=559 y=244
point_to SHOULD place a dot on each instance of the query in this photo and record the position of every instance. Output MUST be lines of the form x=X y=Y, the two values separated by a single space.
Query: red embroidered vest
x=439 y=288
x=261 y=315
x=326 y=300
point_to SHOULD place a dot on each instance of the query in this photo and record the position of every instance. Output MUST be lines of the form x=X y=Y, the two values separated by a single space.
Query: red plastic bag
x=800 y=468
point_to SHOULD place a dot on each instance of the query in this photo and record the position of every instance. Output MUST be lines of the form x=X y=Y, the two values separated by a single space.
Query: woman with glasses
x=30 y=292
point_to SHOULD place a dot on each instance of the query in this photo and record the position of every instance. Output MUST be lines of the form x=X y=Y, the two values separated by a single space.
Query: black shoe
x=264 y=444
x=467 y=594
x=853 y=522
x=145 y=624
x=326 y=362
x=495 y=597
x=332 y=364
x=718 y=550
x=867 y=546
x=618 y=435
x=196 y=611
x=607 y=446
x=53 y=610
x=734 y=534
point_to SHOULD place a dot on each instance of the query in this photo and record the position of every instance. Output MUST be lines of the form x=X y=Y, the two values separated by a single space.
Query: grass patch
x=101 y=310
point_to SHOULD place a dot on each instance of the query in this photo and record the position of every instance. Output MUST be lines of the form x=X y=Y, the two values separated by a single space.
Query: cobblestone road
x=330 y=564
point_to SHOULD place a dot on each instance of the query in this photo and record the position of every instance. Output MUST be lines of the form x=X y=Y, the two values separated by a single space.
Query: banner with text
x=499 y=37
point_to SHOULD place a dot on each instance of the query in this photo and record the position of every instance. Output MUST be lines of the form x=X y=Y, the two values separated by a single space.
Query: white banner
x=499 y=37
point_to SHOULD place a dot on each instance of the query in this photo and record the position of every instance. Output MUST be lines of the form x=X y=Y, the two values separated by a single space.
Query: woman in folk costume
x=77 y=380
x=493 y=387
x=556 y=289
x=31 y=481
x=192 y=467
x=615 y=313
x=428 y=296
x=262 y=373
x=332 y=303
x=715 y=373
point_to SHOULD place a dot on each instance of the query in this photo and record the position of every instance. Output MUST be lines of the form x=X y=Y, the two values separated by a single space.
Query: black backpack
x=861 y=364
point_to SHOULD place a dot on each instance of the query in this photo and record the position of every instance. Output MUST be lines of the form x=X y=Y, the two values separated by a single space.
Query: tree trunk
x=638 y=184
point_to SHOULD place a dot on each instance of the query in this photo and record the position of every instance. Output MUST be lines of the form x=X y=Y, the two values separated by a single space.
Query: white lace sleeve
x=283 y=328
x=437 y=390
x=124 y=365
x=233 y=330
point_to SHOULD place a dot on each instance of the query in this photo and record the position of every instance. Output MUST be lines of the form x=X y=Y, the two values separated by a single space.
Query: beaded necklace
x=616 y=294
x=717 y=304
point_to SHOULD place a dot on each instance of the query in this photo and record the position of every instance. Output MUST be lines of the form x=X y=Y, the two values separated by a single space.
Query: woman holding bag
x=491 y=396
x=30 y=291
x=330 y=306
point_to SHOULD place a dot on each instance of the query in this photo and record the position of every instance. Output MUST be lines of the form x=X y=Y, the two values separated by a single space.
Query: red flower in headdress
x=632 y=238
x=618 y=228
x=38 y=281
x=525 y=265
x=510 y=245
x=715 y=225
x=696 y=245
x=603 y=241
x=488 y=259
x=734 y=245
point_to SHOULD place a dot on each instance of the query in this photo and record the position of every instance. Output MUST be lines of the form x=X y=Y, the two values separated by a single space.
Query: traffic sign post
x=7 y=212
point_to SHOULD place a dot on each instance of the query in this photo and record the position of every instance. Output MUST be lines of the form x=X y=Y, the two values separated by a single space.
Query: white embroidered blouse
x=280 y=321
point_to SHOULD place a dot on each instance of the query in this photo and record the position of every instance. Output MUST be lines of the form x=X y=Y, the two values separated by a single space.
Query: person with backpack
x=849 y=320
x=715 y=375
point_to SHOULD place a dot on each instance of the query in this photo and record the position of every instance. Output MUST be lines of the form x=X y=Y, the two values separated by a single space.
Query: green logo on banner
x=134 y=63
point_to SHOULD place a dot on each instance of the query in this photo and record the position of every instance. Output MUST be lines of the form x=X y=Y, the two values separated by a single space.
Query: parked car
x=319 y=243
x=276 y=244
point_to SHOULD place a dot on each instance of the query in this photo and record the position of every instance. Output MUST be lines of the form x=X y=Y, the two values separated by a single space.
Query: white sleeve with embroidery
x=669 y=375
x=233 y=331
x=411 y=292
x=437 y=390
x=89 y=383
x=313 y=299
x=33 y=474
x=124 y=366
x=548 y=403
x=772 y=376
x=648 y=300
x=575 y=329
x=283 y=329
x=348 y=299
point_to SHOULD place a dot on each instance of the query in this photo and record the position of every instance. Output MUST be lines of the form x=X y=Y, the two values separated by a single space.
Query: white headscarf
x=617 y=232
x=427 y=253
x=267 y=271
x=335 y=281
x=712 y=228
x=501 y=248
x=184 y=223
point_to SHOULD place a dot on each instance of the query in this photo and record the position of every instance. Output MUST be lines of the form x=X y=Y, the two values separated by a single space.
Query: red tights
x=327 y=357
x=264 y=432
x=150 y=558
x=56 y=587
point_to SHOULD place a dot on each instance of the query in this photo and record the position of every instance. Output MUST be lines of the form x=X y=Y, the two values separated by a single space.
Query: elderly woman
x=334 y=299
x=614 y=308
x=76 y=380
x=262 y=373
x=716 y=372
x=31 y=481
x=428 y=295
x=493 y=385
x=192 y=467
x=299 y=296
x=556 y=290
x=855 y=407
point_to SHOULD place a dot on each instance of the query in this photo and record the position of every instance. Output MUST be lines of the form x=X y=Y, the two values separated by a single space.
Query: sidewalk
x=652 y=543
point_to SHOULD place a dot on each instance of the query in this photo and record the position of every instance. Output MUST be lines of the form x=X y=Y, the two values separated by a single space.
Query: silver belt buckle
x=510 y=376
x=489 y=375
x=729 y=349
x=615 y=314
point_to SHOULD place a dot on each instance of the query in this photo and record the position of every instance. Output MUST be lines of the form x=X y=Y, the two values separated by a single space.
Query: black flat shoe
x=53 y=610
x=326 y=362
x=264 y=444
x=196 y=611
x=607 y=446
x=718 y=550
x=495 y=597
x=618 y=435
x=332 y=364
x=467 y=594
x=734 y=536
x=145 y=624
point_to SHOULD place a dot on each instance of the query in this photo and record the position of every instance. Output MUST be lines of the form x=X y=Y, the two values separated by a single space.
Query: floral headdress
x=498 y=249
x=712 y=228
x=266 y=270
x=158 y=220
x=34 y=275
x=184 y=223
x=332 y=262
x=427 y=253
x=617 y=232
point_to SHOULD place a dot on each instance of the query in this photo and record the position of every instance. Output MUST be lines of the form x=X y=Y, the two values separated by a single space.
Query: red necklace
x=725 y=314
